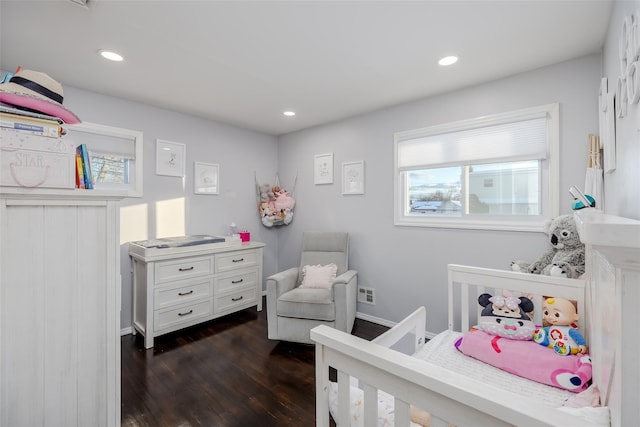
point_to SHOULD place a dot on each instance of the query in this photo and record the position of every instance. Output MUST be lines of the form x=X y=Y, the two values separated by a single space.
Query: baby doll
x=561 y=335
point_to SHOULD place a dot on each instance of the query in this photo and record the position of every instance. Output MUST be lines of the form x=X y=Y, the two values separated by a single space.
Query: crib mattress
x=441 y=351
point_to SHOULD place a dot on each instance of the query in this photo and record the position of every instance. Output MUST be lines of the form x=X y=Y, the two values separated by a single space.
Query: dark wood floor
x=223 y=373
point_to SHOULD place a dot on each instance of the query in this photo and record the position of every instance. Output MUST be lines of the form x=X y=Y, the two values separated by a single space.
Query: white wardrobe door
x=54 y=315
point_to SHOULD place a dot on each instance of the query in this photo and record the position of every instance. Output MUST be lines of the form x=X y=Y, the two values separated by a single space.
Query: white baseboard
x=377 y=320
x=126 y=331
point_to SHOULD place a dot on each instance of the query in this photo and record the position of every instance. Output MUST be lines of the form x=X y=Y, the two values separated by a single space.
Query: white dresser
x=177 y=287
x=59 y=308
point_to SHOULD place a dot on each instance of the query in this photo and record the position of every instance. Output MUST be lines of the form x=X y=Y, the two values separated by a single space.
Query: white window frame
x=134 y=189
x=549 y=175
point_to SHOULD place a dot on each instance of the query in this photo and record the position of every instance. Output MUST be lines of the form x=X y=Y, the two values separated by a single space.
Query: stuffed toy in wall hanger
x=275 y=203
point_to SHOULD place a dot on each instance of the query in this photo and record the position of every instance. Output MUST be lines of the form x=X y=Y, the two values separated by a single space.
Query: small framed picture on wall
x=323 y=169
x=205 y=178
x=170 y=157
x=353 y=177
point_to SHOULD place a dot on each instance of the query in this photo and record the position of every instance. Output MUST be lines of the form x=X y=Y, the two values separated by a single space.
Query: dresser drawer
x=164 y=319
x=185 y=268
x=182 y=293
x=236 y=280
x=232 y=300
x=234 y=260
x=176 y=288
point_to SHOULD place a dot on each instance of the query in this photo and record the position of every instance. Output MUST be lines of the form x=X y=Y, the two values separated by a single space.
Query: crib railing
x=466 y=283
x=448 y=396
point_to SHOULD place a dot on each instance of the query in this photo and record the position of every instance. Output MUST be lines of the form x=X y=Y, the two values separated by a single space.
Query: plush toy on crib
x=506 y=316
x=566 y=256
x=561 y=335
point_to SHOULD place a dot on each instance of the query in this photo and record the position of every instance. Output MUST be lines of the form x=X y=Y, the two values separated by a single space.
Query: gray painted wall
x=238 y=152
x=407 y=265
x=622 y=186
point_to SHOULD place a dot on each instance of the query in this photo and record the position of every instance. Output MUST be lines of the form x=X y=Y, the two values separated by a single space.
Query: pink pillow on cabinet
x=318 y=276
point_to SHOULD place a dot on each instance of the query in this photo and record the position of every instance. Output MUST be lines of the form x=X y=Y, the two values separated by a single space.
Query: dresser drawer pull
x=237 y=281
x=186 y=269
x=185 y=293
x=237 y=260
x=237 y=299
x=185 y=314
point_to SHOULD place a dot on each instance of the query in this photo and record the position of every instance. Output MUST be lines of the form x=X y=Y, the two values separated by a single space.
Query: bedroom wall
x=622 y=195
x=407 y=265
x=169 y=206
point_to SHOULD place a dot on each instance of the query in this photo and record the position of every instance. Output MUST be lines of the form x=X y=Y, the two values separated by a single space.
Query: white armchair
x=293 y=311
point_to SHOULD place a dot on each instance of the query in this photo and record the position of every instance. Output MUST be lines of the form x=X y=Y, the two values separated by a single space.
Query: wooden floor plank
x=223 y=373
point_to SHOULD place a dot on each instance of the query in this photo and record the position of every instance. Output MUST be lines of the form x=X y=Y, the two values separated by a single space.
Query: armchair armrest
x=346 y=277
x=282 y=282
x=345 y=293
x=278 y=284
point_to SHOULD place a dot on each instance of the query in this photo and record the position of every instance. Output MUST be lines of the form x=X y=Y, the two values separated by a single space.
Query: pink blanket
x=528 y=359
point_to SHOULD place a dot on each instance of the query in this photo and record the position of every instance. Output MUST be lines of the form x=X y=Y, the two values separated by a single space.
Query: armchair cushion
x=318 y=276
x=323 y=249
x=307 y=303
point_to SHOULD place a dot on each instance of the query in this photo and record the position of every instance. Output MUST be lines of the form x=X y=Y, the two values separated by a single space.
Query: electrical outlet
x=366 y=295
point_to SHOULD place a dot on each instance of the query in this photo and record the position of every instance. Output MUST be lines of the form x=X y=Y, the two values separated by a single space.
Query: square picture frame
x=353 y=177
x=170 y=158
x=206 y=178
x=323 y=169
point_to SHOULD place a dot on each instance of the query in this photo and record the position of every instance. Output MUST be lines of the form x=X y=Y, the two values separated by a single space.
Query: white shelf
x=617 y=237
x=600 y=229
x=60 y=193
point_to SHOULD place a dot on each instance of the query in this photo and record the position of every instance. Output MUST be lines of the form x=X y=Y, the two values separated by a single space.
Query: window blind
x=105 y=144
x=514 y=141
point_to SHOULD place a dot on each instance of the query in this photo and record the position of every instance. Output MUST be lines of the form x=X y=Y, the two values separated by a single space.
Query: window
x=115 y=155
x=496 y=172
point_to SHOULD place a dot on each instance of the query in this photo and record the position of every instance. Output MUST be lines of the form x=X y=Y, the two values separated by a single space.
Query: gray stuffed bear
x=566 y=256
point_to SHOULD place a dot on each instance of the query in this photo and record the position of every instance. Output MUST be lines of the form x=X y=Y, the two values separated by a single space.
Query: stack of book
x=84 y=179
x=49 y=127
x=36 y=154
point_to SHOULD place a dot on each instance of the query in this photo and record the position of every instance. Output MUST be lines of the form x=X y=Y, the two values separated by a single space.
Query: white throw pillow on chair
x=318 y=276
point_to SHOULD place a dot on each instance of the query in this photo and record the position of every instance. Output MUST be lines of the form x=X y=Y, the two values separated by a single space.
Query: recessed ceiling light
x=448 y=60
x=289 y=113
x=111 y=56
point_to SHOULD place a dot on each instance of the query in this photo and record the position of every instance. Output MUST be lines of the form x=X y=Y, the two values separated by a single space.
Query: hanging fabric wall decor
x=275 y=204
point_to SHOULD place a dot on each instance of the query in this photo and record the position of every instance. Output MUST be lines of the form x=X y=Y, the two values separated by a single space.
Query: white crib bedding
x=440 y=351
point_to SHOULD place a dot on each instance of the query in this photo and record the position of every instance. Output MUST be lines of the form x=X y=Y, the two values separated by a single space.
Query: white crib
x=608 y=300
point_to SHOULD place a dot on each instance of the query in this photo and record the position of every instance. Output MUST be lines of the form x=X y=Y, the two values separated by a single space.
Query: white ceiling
x=245 y=62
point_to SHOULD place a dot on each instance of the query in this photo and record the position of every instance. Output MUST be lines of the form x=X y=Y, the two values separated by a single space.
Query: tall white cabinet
x=59 y=310
x=614 y=291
